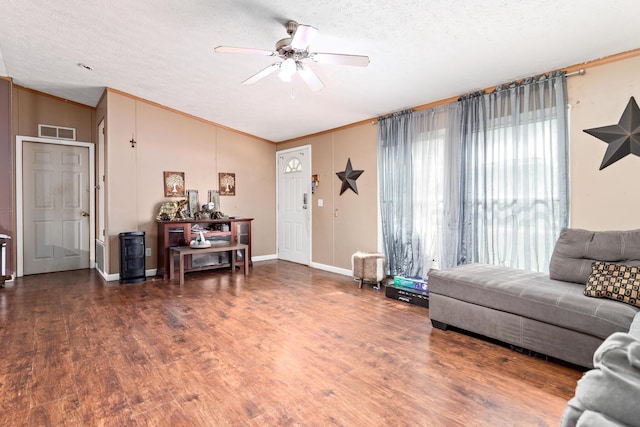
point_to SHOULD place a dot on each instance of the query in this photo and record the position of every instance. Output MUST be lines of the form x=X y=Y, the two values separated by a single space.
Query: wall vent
x=58 y=132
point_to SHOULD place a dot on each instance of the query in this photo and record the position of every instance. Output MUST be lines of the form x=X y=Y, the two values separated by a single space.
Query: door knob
x=83 y=213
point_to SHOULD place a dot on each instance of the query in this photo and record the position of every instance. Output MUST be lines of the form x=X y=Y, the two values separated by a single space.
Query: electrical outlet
x=147 y=252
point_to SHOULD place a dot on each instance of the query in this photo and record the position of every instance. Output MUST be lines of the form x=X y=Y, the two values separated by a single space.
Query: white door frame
x=19 y=211
x=278 y=153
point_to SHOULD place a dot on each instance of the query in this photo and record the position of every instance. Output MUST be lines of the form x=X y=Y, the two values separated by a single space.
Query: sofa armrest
x=612 y=388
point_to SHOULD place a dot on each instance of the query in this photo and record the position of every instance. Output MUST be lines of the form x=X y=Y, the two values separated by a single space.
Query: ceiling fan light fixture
x=287 y=70
x=292 y=52
x=303 y=36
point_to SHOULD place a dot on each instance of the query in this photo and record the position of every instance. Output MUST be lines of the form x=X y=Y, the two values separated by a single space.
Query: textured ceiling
x=420 y=51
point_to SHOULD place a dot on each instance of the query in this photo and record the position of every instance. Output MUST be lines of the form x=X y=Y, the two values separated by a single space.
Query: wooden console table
x=181 y=251
x=229 y=231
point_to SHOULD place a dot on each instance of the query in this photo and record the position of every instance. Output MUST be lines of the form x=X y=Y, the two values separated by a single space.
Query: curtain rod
x=579 y=72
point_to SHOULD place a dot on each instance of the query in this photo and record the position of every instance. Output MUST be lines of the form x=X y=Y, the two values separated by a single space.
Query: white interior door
x=56 y=196
x=294 y=205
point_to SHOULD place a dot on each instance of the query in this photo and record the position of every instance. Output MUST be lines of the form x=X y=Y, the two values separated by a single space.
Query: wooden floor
x=287 y=345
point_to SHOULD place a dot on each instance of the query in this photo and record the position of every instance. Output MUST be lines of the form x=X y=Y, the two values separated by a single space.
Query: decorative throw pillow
x=614 y=281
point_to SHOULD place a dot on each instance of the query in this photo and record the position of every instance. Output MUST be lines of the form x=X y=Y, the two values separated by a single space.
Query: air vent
x=57 y=132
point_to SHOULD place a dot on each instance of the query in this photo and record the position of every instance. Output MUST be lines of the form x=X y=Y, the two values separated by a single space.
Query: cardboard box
x=410 y=283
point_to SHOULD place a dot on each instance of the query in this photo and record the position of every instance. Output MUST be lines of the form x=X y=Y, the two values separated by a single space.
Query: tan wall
x=121 y=173
x=599 y=200
x=6 y=171
x=253 y=162
x=170 y=141
x=345 y=223
x=30 y=108
x=606 y=199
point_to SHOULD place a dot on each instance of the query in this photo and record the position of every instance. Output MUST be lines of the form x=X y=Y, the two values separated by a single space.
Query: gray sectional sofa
x=609 y=394
x=544 y=313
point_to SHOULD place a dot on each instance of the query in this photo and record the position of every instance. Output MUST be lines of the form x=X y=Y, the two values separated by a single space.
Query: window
x=513 y=193
x=293 y=165
x=480 y=180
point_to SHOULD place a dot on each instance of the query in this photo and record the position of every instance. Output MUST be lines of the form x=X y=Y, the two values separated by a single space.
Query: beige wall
x=345 y=223
x=606 y=199
x=253 y=162
x=30 y=108
x=599 y=200
x=170 y=141
x=6 y=171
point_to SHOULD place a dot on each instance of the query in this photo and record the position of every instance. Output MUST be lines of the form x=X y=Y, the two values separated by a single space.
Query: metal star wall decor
x=623 y=138
x=348 y=178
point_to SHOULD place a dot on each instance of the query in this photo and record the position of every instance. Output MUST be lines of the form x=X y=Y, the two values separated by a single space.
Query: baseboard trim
x=9 y=282
x=264 y=258
x=113 y=277
x=325 y=267
x=331 y=268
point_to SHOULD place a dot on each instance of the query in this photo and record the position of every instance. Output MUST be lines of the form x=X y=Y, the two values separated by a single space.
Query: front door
x=55 y=207
x=294 y=205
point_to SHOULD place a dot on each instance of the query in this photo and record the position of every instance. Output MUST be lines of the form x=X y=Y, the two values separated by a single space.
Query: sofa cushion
x=533 y=295
x=577 y=249
x=614 y=281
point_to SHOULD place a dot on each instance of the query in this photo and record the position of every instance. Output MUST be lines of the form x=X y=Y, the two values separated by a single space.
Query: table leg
x=181 y=269
x=246 y=261
x=233 y=261
x=172 y=268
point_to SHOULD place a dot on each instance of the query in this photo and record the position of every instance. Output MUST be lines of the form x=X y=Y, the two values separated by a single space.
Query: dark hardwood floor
x=287 y=345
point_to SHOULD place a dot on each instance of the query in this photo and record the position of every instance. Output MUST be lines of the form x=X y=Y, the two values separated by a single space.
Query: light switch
x=320 y=202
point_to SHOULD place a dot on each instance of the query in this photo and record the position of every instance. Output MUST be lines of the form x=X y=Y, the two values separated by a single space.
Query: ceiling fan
x=293 y=51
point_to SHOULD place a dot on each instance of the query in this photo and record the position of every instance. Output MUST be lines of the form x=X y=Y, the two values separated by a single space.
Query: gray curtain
x=480 y=180
x=436 y=176
x=396 y=187
x=419 y=158
x=514 y=173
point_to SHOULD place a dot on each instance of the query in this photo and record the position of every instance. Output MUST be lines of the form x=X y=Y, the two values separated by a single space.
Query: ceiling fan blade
x=340 y=59
x=310 y=78
x=229 y=49
x=303 y=36
x=262 y=74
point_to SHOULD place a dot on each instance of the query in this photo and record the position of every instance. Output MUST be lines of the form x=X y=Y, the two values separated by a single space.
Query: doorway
x=54 y=205
x=294 y=204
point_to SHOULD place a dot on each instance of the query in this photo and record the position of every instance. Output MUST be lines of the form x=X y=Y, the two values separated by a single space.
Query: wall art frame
x=173 y=184
x=227 y=183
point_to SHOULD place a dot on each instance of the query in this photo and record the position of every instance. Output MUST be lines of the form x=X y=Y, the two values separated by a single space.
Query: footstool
x=368 y=267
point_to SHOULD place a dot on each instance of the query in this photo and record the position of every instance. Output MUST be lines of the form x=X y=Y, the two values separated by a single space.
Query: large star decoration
x=623 y=138
x=348 y=178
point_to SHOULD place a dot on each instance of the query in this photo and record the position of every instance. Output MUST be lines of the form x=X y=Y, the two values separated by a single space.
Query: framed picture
x=193 y=203
x=214 y=197
x=227 y=183
x=173 y=184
